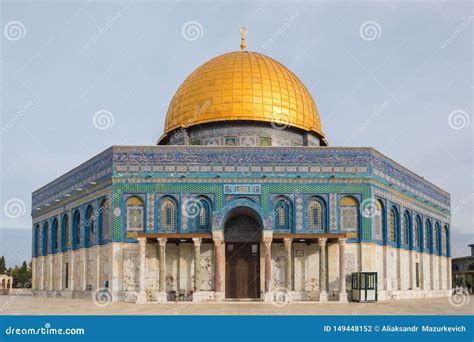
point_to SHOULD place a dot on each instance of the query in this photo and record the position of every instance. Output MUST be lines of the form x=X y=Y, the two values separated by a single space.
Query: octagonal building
x=241 y=199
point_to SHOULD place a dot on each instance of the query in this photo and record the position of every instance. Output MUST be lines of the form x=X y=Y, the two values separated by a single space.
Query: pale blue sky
x=75 y=58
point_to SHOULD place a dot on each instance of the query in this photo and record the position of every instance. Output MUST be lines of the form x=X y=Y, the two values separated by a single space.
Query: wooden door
x=242 y=270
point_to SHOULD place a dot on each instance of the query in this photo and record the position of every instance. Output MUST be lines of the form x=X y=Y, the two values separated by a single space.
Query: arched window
x=135 y=213
x=37 y=241
x=168 y=214
x=392 y=225
x=444 y=241
x=316 y=215
x=90 y=226
x=282 y=215
x=378 y=220
x=45 y=239
x=426 y=235
x=103 y=221
x=417 y=232
x=435 y=237
x=55 y=235
x=202 y=220
x=470 y=267
x=76 y=229
x=65 y=234
x=405 y=228
x=349 y=213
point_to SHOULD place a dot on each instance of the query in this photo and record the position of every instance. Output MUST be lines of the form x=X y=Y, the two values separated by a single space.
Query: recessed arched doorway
x=242 y=235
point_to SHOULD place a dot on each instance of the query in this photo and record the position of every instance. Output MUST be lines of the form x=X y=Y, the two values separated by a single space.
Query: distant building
x=463 y=269
x=6 y=283
x=241 y=198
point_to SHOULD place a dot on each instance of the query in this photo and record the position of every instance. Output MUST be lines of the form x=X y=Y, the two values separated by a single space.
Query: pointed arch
x=135 y=213
x=168 y=214
x=316 y=214
x=282 y=214
x=349 y=214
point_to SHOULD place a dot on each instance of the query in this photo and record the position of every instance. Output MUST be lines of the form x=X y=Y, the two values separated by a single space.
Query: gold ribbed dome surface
x=243 y=85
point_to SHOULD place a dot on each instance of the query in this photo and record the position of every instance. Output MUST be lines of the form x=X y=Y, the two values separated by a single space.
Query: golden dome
x=243 y=85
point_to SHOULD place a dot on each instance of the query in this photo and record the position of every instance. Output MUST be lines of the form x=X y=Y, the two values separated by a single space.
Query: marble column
x=411 y=272
x=287 y=242
x=61 y=271
x=33 y=274
x=267 y=241
x=342 y=270
x=84 y=268
x=97 y=267
x=161 y=296
x=42 y=273
x=51 y=262
x=141 y=296
x=323 y=295
x=71 y=273
x=197 y=268
x=218 y=267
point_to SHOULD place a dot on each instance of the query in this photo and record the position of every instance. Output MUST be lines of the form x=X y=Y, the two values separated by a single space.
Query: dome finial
x=243 y=32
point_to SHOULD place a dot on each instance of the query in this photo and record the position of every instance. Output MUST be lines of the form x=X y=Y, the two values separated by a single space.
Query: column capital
x=141 y=241
x=217 y=241
x=267 y=242
x=287 y=242
x=322 y=241
x=197 y=241
x=342 y=240
x=162 y=241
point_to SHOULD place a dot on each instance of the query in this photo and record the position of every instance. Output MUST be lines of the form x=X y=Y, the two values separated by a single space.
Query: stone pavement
x=27 y=305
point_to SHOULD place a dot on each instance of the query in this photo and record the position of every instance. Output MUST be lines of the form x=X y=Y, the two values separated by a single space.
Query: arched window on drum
x=349 y=214
x=168 y=214
x=316 y=215
x=282 y=215
x=135 y=213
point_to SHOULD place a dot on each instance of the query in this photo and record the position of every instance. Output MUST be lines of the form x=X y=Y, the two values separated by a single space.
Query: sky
x=80 y=76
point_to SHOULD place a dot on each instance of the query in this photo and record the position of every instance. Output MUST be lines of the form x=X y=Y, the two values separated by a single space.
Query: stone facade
x=127 y=220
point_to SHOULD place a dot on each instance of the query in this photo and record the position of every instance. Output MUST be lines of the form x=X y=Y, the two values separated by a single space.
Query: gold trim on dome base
x=243 y=85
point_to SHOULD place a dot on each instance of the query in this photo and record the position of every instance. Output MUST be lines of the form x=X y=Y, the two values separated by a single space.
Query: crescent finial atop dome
x=243 y=32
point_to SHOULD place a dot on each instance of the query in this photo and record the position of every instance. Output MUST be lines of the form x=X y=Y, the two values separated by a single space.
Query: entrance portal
x=242 y=235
